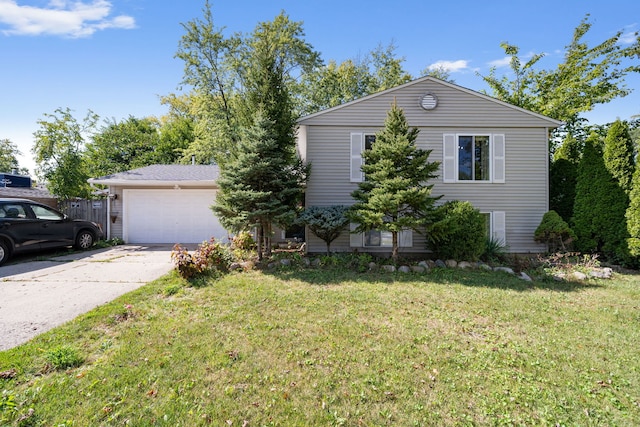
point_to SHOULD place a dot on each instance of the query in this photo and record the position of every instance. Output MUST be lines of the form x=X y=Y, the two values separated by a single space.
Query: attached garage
x=163 y=204
x=170 y=216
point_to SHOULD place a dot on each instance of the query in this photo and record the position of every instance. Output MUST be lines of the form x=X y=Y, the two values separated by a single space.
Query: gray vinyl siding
x=523 y=196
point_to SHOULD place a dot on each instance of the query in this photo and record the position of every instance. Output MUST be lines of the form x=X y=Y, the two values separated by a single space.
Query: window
x=43 y=213
x=378 y=238
x=473 y=158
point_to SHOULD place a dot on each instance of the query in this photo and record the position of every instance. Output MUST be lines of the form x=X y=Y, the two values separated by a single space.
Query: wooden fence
x=89 y=210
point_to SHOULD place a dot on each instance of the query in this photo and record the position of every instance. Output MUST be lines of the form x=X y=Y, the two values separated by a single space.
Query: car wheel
x=4 y=252
x=84 y=240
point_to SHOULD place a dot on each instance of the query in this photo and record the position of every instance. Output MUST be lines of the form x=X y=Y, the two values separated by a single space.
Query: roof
x=25 y=193
x=162 y=175
x=552 y=122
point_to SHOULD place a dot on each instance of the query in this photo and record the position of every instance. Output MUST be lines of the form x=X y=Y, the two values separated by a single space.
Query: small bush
x=63 y=357
x=208 y=256
x=494 y=250
x=458 y=231
x=554 y=232
x=243 y=241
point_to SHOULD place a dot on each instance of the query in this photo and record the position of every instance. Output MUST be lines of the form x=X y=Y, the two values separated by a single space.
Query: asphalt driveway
x=36 y=296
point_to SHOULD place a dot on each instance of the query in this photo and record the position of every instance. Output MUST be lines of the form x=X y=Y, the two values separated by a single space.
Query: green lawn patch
x=331 y=347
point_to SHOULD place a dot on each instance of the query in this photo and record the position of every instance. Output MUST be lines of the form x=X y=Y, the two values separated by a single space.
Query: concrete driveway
x=36 y=296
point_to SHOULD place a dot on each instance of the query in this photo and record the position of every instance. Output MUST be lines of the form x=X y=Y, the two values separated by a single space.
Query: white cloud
x=628 y=37
x=450 y=66
x=61 y=17
x=498 y=63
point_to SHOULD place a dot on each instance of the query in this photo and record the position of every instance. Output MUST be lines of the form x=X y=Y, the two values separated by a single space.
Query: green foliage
x=326 y=222
x=9 y=157
x=63 y=357
x=243 y=241
x=334 y=84
x=395 y=194
x=554 y=232
x=600 y=206
x=619 y=154
x=58 y=150
x=633 y=216
x=458 y=232
x=262 y=184
x=563 y=174
x=588 y=76
x=494 y=250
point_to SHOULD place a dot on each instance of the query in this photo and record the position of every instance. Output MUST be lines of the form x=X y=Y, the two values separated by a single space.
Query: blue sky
x=116 y=57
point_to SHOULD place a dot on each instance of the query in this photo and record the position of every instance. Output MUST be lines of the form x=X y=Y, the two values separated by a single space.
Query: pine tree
x=600 y=206
x=395 y=195
x=618 y=154
x=259 y=186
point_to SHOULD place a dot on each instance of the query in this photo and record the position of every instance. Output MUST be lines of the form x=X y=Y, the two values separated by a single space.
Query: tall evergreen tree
x=258 y=186
x=633 y=215
x=600 y=206
x=563 y=174
x=619 y=154
x=395 y=195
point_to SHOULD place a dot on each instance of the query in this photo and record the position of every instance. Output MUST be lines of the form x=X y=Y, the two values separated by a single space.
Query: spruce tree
x=618 y=154
x=600 y=206
x=258 y=185
x=394 y=195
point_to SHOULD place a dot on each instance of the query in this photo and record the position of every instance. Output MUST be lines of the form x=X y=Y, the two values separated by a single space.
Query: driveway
x=36 y=296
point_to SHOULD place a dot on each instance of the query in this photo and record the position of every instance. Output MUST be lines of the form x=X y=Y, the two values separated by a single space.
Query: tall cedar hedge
x=600 y=206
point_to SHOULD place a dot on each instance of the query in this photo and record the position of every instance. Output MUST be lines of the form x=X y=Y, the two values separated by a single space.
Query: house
x=493 y=154
x=163 y=204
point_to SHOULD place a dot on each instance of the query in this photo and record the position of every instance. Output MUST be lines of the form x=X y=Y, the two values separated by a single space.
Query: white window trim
x=450 y=165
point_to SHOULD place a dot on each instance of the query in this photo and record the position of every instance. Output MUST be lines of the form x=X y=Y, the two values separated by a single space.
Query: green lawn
x=328 y=346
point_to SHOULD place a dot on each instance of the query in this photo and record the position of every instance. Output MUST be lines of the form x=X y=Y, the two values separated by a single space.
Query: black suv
x=26 y=225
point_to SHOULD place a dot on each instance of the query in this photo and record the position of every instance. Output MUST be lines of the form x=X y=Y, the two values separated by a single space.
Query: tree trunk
x=394 y=251
x=259 y=233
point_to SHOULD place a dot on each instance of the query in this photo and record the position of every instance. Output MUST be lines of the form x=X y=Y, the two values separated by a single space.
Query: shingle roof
x=164 y=173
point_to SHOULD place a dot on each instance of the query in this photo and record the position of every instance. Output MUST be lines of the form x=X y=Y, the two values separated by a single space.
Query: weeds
x=63 y=357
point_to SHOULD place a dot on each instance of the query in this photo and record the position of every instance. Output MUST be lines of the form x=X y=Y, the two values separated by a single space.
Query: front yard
x=326 y=346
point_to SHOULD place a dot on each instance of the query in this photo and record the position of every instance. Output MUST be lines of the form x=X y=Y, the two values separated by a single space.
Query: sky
x=117 y=57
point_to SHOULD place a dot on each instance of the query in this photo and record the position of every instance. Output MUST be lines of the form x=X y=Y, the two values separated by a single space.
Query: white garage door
x=170 y=216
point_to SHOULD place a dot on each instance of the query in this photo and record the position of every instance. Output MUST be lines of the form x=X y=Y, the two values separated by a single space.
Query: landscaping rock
x=373 y=266
x=525 y=276
x=316 y=262
x=247 y=265
x=451 y=263
x=483 y=266
x=404 y=269
x=418 y=268
x=306 y=261
x=285 y=262
x=440 y=263
x=389 y=268
x=464 y=264
x=505 y=269
x=425 y=265
x=578 y=275
x=604 y=273
x=235 y=266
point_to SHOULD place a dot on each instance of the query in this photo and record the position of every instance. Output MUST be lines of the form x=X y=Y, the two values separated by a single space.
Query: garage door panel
x=170 y=216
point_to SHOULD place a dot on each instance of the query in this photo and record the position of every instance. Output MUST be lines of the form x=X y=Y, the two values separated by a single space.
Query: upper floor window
x=469 y=157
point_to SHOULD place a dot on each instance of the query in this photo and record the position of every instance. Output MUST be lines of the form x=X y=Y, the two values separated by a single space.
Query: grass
x=331 y=347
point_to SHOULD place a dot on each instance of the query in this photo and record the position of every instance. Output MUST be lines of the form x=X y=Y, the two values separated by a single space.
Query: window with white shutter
x=468 y=157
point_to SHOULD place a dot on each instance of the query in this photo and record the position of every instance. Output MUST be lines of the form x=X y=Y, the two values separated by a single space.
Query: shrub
x=458 y=231
x=554 y=232
x=494 y=250
x=326 y=222
x=243 y=241
x=209 y=255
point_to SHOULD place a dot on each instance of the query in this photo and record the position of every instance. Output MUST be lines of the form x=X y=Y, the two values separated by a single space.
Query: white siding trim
x=498 y=158
x=356 y=148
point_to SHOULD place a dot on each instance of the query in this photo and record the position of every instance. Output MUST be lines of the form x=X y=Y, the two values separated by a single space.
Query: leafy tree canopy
x=9 y=157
